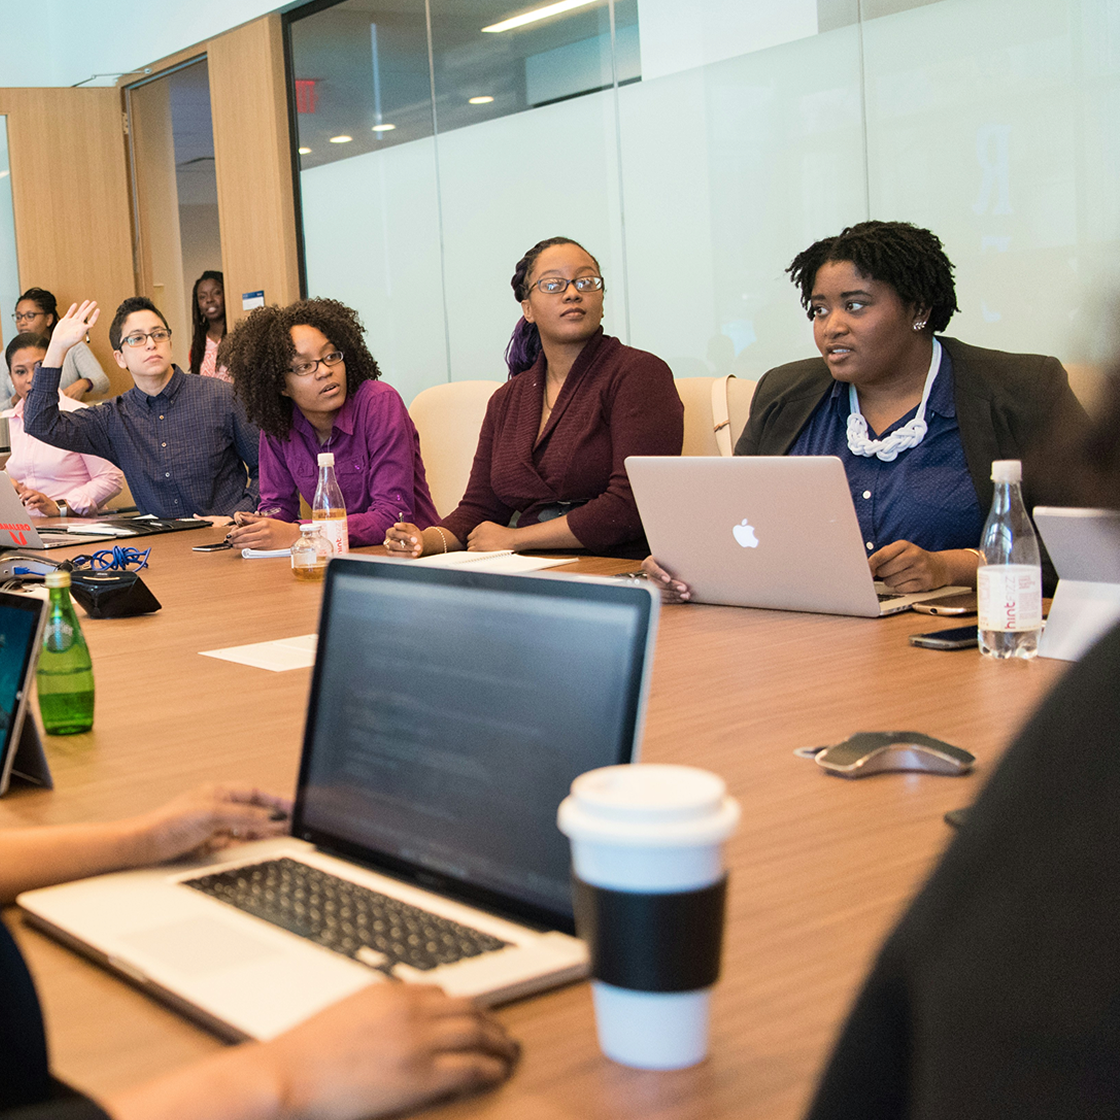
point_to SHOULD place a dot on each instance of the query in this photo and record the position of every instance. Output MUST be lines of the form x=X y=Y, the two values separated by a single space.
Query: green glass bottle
x=65 y=675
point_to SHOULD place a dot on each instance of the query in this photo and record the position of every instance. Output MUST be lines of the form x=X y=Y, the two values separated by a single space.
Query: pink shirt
x=209 y=366
x=84 y=482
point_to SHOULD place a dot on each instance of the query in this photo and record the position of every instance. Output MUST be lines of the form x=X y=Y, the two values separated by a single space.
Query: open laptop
x=1084 y=545
x=450 y=711
x=21 y=749
x=762 y=531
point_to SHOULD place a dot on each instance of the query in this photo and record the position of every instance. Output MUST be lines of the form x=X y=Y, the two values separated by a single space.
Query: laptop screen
x=451 y=711
x=19 y=629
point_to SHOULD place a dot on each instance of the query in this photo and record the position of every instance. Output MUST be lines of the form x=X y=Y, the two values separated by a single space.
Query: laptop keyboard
x=368 y=926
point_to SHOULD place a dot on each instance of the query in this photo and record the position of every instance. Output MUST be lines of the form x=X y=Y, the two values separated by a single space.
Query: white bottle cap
x=1003 y=470
x=326 y=458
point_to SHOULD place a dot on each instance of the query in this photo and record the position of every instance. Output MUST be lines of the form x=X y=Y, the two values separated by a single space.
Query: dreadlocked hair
x=525 y=343
x=909 y=259
x=259 y=352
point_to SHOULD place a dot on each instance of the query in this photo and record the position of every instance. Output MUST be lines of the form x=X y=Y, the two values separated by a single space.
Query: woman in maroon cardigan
x=549 y=470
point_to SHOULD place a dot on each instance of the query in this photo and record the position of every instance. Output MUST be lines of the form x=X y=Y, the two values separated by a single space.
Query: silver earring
x=921 y=326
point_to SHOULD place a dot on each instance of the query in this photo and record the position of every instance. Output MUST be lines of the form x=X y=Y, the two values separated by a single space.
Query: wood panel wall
x=252 y=154
x=70 y=193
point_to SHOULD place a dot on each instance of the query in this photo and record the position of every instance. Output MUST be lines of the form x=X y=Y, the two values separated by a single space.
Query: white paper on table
x=501 y=561
x=277 y=656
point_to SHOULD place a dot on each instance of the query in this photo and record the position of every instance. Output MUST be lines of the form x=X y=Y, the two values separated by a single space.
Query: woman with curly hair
x=916 y=420
x=308 y=381
x=550 y=467
x=208 y=324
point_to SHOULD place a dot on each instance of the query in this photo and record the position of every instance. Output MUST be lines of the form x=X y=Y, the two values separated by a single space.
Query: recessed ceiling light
x=341 y=139
x=480 y=100
x=383 y=127
x=305 y=151
x=536 y=14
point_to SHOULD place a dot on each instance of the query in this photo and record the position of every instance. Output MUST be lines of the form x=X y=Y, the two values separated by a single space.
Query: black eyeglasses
x=302 y=369
x=27 y=316
x=556 y=285
x=138 y=338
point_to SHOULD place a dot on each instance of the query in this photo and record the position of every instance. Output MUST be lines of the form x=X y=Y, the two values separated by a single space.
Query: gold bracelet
x=442 y=537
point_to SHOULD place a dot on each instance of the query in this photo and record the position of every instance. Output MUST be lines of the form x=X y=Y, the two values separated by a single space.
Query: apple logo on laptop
x=744 y=534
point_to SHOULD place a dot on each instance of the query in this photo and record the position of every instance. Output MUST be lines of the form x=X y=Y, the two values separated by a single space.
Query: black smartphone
x=959 y=637
x=216 y=547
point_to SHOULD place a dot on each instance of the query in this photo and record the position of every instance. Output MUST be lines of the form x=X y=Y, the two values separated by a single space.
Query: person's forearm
x=961 y=564
x=40 y=857
x=547 y=534
x=437 y=540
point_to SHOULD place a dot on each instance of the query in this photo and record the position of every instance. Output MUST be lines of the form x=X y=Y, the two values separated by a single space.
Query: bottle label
x=334 y=529
x=1009 y=597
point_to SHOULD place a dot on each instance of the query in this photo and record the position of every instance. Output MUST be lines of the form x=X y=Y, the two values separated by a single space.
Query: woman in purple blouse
x=550 y=470
x=308 y=381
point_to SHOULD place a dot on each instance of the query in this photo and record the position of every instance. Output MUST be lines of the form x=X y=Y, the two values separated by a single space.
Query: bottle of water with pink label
x=1009 y=579
x=328 y=511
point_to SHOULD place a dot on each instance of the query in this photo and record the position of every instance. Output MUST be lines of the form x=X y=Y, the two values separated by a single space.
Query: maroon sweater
x=616 y=401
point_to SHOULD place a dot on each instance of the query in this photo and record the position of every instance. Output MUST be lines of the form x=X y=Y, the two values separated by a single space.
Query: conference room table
x=820 y=866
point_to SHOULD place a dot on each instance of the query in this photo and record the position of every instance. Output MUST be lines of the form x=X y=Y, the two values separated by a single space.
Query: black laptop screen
x=19 y=627
x=450 y=713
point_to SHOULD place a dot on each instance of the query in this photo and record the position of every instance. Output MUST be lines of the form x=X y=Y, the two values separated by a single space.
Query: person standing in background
x=208 y=322
x=37 y=313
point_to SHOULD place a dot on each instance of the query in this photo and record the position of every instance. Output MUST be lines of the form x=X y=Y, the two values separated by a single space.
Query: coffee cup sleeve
x=667 y=942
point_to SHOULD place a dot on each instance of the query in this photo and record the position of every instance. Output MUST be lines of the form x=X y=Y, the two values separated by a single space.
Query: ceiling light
x=305 y=151
x=383 y=127
x=536 y=14
x=341 y=139
x=480 y=101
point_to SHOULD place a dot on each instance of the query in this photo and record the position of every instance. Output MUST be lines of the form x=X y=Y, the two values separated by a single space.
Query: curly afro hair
x=910 y=259
x=258 y=352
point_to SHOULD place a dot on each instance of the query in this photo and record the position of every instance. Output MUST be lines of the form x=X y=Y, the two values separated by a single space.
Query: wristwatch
x=63 y=509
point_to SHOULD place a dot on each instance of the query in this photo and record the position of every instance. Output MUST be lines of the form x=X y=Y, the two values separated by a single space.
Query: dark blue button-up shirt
x=926 y=495
x=187 y=450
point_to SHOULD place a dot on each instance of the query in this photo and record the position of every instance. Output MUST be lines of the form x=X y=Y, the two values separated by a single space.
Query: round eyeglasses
x=556 y=285
x=139 y=338
x=302 y=369
x=27 y=316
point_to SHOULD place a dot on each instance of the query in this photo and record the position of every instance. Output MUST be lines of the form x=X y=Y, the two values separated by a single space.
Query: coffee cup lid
x=649 y=805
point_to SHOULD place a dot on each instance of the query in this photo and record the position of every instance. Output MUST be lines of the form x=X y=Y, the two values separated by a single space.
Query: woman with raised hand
x=916 y=419
x=50 y=481
x=208 y=324
x=307 y=379
x=37 y=313
x=387 y=1048
x=549 y=471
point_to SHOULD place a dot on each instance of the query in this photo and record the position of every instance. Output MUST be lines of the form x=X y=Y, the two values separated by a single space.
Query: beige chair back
x=1088 y=384
x=699 y=428
x=449 y=418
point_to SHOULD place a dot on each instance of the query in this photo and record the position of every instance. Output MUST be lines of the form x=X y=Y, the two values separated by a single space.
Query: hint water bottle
x=64 y=679
x=1009 y=579
x=328 y=511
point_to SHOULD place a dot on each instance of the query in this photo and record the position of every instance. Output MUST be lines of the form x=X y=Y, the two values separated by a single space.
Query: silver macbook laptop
x=1085 y=547
x=762 y=531
x=18 y=529
x=450 y=711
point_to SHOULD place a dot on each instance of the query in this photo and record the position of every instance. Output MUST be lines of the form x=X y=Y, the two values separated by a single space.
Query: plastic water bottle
x=64 y=679
x=311 y=553
x=1009 y=579
x=328 y=511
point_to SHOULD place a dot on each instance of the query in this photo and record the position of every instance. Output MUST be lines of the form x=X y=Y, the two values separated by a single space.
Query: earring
x=920 y=326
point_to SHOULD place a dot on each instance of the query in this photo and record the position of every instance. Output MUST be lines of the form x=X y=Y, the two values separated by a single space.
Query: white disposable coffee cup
x=651 y=830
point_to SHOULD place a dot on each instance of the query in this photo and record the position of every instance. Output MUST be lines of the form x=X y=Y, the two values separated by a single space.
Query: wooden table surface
x=819 y=868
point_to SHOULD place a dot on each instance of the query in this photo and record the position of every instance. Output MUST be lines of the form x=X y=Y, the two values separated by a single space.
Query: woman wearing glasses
x=549 y=473
x=308 y=381
x=37 y=313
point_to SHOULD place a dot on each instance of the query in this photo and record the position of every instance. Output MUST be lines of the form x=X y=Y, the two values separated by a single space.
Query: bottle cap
x=57 y=579
x=1007 y=470
x=326 y=458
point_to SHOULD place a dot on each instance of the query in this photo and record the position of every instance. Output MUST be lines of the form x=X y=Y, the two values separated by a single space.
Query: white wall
x=991 y=122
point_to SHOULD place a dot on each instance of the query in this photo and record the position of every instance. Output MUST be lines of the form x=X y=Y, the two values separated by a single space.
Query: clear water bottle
x=328 y=510
x=1009 y=579
x=64 y=679
x=311 y=553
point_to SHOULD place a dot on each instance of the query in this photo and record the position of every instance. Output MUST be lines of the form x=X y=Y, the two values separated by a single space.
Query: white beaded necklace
x=902 y=439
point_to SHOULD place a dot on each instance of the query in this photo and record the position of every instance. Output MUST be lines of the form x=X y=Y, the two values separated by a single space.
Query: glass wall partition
x=695 y=149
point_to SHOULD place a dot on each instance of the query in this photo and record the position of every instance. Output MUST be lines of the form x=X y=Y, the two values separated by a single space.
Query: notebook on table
x=1084 y=545
x=762 y=531
x=450 y=710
